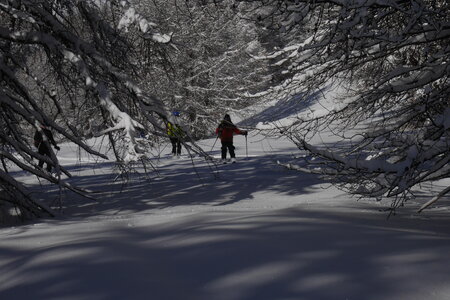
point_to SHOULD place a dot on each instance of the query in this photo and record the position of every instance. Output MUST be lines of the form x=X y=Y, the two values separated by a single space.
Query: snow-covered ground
x=250 y=230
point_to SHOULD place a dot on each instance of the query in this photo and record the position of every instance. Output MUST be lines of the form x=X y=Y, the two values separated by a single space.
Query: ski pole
x=214 y=144
x=246 y=146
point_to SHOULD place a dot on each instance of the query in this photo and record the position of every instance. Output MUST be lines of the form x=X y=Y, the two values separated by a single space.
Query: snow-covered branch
x=394 y=58
x=131 y=16
x=62 y=64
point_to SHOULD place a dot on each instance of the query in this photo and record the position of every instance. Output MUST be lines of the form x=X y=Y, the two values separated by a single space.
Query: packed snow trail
x=250 y=230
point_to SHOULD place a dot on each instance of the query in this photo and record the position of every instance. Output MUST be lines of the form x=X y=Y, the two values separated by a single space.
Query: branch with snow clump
x=131 y=16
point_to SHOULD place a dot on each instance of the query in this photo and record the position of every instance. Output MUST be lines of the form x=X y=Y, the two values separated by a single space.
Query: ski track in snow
x=250 y=230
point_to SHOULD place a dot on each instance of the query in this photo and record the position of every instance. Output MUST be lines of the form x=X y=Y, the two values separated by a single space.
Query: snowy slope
x=250 y=230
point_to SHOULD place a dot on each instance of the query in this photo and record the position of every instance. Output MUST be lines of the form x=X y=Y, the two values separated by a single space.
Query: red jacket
x=226 y=131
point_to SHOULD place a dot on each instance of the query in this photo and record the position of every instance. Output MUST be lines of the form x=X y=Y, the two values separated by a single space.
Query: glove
x=245 y=133
x=57 y=148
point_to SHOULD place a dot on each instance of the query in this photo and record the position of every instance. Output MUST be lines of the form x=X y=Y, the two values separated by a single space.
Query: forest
x=117 y=69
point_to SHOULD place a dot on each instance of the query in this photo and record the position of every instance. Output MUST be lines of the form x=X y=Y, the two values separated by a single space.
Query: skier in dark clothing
x=42 y=144
x=226 y=130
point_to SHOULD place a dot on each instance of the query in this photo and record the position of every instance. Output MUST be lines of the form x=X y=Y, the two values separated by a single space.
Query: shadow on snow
x=285 y=254
x=178 y=183
x=283 y=108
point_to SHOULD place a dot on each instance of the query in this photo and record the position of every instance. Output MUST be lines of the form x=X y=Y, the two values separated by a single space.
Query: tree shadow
x=177 y=183
x=284 y=108
x=297 y=253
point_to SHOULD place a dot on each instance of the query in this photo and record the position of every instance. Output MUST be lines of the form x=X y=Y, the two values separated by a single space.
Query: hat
x=227 y=118
x=176 y=113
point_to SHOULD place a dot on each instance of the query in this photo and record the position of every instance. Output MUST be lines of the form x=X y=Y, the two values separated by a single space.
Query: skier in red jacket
x=226 y=130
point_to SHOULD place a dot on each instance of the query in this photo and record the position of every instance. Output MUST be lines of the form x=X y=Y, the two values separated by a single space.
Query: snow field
x=250 y=230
